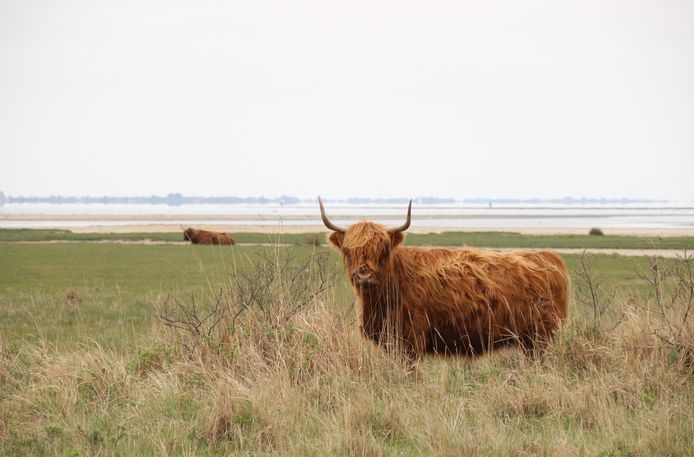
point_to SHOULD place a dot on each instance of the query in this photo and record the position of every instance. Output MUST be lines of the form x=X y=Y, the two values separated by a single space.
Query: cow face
x=366 y=248
x=366 y=251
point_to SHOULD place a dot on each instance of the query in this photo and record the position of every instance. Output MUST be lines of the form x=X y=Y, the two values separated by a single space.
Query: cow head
x=366 y=248
x=187 y=234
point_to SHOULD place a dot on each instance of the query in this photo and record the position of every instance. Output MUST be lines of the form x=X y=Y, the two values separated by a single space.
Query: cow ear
x=396 y=238
x=337 y=238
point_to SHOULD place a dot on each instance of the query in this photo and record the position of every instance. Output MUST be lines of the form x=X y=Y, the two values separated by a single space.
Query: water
x=458 y=215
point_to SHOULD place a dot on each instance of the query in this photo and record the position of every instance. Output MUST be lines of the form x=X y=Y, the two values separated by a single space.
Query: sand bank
x=243 y=223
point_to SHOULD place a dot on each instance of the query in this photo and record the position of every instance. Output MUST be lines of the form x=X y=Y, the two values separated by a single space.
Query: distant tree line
x=176 y=199
x=180 y=199
x=396 y=201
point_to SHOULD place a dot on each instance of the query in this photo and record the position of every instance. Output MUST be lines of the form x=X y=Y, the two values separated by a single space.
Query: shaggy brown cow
x=196 y=236
x=450 y=301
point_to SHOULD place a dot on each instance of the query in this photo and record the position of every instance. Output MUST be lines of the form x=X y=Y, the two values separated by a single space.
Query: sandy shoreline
x=648 y=232
x=272 y=224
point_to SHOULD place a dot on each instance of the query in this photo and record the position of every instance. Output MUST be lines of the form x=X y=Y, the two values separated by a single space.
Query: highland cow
x=196 y=236
x=450 y=301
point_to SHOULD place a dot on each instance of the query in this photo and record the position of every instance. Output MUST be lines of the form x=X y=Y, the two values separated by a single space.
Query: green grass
x=517 y=240
x=14 y=235
x=115 y=283
x=483 y=239
x=10 y=235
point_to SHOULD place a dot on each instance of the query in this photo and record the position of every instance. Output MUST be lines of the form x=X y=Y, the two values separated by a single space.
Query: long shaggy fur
x=452 y=301
x=196 y=236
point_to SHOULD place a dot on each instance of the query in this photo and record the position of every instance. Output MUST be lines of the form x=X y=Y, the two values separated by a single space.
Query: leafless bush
x=273 y=289
x=193 y=323
x=279 y=284
x=590 y=291
x=672 y=287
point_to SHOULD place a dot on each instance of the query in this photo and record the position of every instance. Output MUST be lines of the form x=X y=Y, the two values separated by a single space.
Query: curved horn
x=406 y=225
x=326 y=221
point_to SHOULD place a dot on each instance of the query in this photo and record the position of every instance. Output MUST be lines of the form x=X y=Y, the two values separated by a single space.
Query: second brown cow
x=196 y=236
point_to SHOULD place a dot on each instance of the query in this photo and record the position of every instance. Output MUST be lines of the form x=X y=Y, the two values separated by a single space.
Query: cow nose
x=363 y=275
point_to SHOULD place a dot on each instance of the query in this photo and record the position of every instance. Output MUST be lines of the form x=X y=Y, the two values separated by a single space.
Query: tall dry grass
x=257 y=369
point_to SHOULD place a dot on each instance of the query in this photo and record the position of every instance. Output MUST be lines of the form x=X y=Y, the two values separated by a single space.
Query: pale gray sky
x=361 y=98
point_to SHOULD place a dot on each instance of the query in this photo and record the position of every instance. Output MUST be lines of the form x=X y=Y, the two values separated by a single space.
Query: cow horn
x=326 y=221
x=406 y=225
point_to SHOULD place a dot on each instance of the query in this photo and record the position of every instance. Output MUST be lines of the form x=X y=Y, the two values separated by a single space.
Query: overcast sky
x=360 y=98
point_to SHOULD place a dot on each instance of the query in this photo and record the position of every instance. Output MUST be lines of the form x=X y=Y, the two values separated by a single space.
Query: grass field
x=484 y=239
x=87 y=366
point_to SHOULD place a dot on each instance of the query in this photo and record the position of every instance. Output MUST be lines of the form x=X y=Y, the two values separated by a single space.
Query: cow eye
x=384 y=256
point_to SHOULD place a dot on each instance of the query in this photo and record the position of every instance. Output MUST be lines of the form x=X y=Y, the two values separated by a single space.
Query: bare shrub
x=590 y=291
x=276 y=287
x=596 y=231
x=192 y=323
x=279 y=284
x=672 y=295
